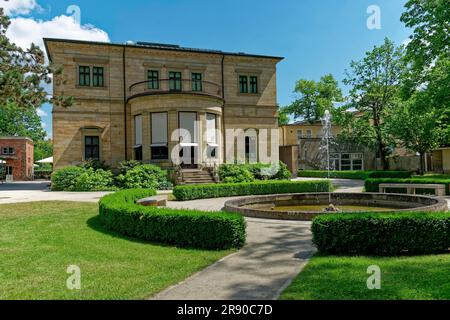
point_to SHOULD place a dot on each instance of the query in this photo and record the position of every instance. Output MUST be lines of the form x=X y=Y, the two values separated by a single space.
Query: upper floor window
x=153 y=79
x=7 y=150
x=91 y=147
x=308 y=133
x=174 y=81
x=84 y=76
x=196 y=82
x=86 y=73
x=243 y=84
x=98 y=77
x=253 y=84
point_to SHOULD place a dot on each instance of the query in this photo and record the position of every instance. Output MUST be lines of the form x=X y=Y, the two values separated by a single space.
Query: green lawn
x=334 y=277
x=38 y=241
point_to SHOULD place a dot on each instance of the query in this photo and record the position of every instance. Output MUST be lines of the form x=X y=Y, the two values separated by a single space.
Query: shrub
x=234 y=173
x=94 y=164
x=146 y=176
x=64 y=179
x=186 y=228
x=202 y=191
x=382 y=234
x=360 y=175
x=372 y=185
x=126 y=165
x=82 y=179
x=93 y=180
x=42 y=173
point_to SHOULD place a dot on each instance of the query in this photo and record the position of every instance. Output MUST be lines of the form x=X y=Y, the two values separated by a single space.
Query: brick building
x=17 y=155
x=131 y=99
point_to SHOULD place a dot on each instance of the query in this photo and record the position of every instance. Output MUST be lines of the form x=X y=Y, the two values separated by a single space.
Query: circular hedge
x=185 y=228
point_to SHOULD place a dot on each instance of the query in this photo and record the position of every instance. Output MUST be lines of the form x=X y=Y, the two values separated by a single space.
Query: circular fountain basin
x=305 y=206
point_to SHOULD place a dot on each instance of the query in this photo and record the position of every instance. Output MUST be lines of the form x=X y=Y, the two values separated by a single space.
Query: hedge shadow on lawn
x=96 y=224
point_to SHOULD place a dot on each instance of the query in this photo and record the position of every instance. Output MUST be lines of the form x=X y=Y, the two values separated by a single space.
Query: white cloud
x=41 y=113
x=16 y=7
x=24 y=31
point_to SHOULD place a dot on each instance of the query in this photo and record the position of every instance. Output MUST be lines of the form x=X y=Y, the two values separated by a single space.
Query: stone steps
x=197 y=177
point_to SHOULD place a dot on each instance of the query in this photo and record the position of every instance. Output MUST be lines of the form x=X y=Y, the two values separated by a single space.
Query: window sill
x=91 y=87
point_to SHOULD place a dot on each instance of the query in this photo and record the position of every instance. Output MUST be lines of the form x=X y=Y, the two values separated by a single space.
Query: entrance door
x=187 y=156
x=188 y=139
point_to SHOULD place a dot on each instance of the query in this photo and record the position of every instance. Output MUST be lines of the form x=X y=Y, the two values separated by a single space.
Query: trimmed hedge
x=184 y=228
x=382 y=234
x=360 y=175
x=371 y=185
x=202 y=191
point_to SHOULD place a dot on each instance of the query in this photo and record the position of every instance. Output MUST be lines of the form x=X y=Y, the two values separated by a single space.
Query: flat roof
x=159 y=46
x=15 y=138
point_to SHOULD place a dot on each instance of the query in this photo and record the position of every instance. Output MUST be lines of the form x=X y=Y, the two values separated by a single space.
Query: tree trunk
x=422 y=163
x=383 y=157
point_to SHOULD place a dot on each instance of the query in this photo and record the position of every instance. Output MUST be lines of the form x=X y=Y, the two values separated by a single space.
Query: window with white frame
x=159 y=148
x=347 y=161
x=211 y=135
x=137 y=137
x=308 y=133
x=299 y=135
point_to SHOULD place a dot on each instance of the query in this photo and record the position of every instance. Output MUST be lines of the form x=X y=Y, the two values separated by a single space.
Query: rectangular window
x=253 y=84
x=138 y=130
x=159 y=148
x=308 y=133
x=188 y=127
x=174 y=81
x=211 y=135
x=138 y=153
x=8 y=150
x=84 y=76
x=98 y=77
x=299 y=135
x=243 y=84
x=92 y=147
x=196 y=82
x=9 y=170
x=153 y=79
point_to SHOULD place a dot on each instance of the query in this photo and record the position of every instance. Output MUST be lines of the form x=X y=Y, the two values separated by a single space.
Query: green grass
x=344 y=277
x=38 y=241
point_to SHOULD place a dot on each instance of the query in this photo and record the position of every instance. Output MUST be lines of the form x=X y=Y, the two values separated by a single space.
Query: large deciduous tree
x=313 y=98
x=375 y=82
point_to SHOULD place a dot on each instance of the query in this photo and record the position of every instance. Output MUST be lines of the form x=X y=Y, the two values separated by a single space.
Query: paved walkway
x=39 y=191
x=275 y=253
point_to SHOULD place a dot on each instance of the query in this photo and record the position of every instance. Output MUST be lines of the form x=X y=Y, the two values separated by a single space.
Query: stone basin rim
x=400 y=200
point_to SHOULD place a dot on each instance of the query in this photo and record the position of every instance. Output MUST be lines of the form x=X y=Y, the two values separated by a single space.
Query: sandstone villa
x=131 y=99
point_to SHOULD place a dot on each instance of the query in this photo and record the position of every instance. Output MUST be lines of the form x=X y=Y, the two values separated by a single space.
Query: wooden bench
x=439 y=189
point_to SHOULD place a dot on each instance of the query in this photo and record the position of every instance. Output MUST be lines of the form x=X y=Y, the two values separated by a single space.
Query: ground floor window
x=138 y=153
x=346 y=161
x=92 y=147
x=160 y=153
x=9 y=170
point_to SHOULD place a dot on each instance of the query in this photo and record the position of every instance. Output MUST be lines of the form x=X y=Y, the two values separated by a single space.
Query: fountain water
x=324 y=149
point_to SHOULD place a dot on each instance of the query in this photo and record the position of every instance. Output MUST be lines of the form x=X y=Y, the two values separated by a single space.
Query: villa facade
x=163 y=104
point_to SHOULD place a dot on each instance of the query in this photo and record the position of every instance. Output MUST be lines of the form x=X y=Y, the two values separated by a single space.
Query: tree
x=22 y=71
x=375 y=82
x=417 y=127
x=428 y=52
x=16 y=121
x=43 y=149
x=313 y=98
x=283 y=117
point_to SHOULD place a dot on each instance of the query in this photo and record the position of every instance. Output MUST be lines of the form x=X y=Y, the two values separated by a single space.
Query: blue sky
x=315 y=37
